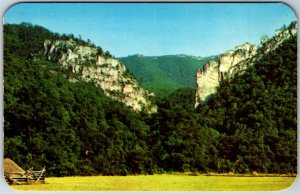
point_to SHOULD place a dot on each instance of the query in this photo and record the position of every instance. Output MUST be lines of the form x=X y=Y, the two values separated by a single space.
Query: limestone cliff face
x=214 y=72
x=235 y=62
x=107 y=73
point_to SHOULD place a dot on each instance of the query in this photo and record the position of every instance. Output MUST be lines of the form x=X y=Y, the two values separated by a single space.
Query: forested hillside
x=165 y=74
x=257 y=113
x=72 y=128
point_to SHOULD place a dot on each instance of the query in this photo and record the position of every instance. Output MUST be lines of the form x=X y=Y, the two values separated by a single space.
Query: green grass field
x=161 y=183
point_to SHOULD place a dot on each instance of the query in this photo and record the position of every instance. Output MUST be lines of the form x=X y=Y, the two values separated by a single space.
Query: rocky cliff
x=236 y=61
x=106 y=72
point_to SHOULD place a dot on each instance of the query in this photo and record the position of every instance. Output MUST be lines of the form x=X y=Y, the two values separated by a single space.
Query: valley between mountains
x=73 y=107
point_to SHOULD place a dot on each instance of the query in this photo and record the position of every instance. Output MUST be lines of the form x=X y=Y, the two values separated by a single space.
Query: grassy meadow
x=164 y=182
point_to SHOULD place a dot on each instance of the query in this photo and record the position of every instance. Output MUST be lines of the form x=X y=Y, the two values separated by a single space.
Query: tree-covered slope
x=249 y=124
x=165 y=74
x=73 y=128
x=70 y=127
x=257 y=113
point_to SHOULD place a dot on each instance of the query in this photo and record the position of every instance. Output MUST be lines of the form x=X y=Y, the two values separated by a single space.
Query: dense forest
x=165 y=74
x=72 y=128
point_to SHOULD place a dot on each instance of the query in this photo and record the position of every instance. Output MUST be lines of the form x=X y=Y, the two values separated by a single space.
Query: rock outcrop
x=235 y=62
x=106 y=72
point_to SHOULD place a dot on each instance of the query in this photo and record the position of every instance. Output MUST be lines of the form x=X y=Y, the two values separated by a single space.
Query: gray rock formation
x=235 y=62
x=214 y=72
x=107 y=73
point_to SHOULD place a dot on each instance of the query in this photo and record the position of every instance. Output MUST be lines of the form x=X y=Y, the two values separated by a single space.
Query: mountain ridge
x=164 y=74
x=68 y=124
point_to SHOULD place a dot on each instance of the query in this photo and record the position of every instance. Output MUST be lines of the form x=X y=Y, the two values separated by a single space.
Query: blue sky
x=152 y=29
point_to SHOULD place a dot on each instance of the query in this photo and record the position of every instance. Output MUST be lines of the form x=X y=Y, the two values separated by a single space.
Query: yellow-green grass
x=161 y=183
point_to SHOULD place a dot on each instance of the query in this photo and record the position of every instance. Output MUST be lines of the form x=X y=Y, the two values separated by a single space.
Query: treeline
x=72 y=128
x=27 y=40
